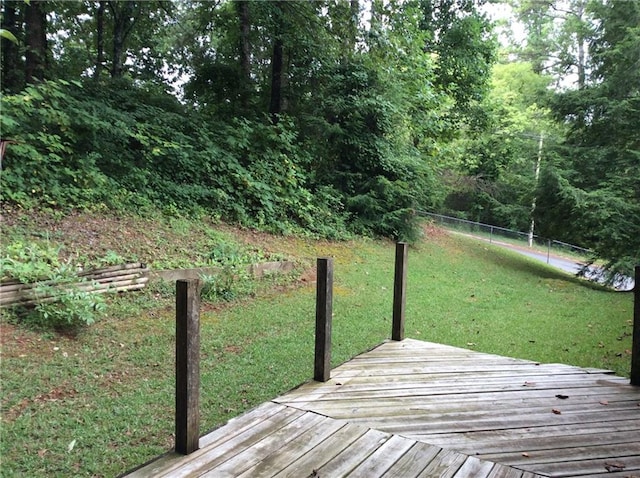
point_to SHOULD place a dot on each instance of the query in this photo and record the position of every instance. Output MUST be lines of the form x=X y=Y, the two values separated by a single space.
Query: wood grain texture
x=399 y=291
x=187 y=422
x=494 y=408
x=415 y=409
x=324 y=313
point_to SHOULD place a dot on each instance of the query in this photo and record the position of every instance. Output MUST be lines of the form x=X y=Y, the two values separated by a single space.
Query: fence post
x=187 y=366
x=635 y=346
x=399 y=291
x=324 y=312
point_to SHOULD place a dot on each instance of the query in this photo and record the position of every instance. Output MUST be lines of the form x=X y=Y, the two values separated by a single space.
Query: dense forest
x=332 y=117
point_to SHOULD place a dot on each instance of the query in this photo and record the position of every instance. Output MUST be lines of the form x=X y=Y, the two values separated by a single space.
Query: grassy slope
x=109 y=390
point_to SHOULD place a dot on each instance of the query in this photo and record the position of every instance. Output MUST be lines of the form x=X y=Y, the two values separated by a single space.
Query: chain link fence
x=508 y=236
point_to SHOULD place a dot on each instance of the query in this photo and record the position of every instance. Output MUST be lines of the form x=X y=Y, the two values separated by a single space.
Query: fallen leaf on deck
x=604 y=402
x=556 y=411
x=614 y=466
x=525 y=454
x=529 y=384
x=562 y=397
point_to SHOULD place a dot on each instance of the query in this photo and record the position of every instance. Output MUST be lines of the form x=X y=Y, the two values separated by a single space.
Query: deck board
x=417 y=409
x=496 y=409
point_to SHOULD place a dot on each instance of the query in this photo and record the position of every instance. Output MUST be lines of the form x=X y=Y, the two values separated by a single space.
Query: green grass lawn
x=102 y=402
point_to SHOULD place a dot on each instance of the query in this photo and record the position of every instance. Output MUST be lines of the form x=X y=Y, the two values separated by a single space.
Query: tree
x=36 y=55
x=494 y=180
x=11 y=64
x=557 y=34
x=598 y=177
x=100 y=11
x=124 y=14
x=460 y=36
x=277 y=60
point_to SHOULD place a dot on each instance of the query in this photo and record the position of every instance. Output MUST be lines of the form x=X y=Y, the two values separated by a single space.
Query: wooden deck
x=417 y=409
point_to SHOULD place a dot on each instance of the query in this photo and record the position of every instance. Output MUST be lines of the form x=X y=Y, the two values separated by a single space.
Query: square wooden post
x=324 y=312
x=399 y=291
x=187 y=366
x=635 y=346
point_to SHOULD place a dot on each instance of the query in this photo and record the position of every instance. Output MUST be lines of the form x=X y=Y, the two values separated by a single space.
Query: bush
x=60 y=303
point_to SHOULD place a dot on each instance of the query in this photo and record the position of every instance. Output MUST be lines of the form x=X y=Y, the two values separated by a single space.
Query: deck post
x=187 y=366
x=635 y=347
x=399 y=291
x=324 y=312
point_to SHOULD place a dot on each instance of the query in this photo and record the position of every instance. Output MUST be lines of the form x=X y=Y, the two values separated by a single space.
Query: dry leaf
x=604 y=402
x=529 y=384
x=556 y=411
x=525 y=454
x=614 y=466
x=42 y=453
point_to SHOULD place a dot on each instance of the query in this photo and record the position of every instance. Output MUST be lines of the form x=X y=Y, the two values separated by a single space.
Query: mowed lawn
x=102 y=402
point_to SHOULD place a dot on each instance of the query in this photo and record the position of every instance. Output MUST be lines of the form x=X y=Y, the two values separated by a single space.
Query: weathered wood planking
x=278 y=441
x=551 y=419
x=416 y=409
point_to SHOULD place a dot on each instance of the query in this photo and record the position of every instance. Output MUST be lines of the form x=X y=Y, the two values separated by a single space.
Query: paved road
x=567 y=265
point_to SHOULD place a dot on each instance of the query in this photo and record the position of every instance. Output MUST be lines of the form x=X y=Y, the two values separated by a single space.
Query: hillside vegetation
x=330 y=117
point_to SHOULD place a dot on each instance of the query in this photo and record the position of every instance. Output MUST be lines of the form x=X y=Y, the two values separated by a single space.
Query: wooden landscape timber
x=257 y=270
x=118 y=278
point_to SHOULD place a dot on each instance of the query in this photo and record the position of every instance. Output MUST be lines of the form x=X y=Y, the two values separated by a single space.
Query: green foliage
x=70 y=307
x=380 y=178
x=355 y=137
x=234 y=279
x=126 y=148
x=29 y=262
x=231 y=283
x=60 y=302
x=598 y=170
x=493 y=178
x=47 y=165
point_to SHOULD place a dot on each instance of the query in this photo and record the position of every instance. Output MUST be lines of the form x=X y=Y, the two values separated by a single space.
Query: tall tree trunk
x=36 y=42
x=354 y=17
x=124 y=19
x=277 y=61
x=377 y=9
x=580 y=40
x=99 y=39
x=245 y=51
x=277 y=64
x=11 y=67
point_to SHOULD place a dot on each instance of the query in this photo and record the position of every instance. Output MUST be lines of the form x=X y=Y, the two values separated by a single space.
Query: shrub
x=60 y=303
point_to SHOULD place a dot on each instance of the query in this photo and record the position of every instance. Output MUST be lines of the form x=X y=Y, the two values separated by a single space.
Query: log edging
x=118 y=278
